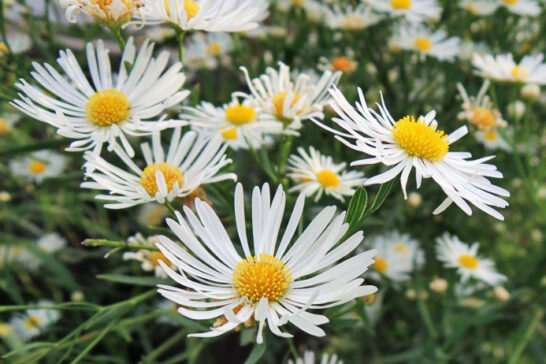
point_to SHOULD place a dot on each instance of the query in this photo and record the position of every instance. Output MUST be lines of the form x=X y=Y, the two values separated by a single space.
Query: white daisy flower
x=50 y=243
x=411 y=143
x=152 y=214
x=17 y=42
x=480 y=7
x=398 y=255
x=411 y=10
x=109 y=11
x=149 y=259
x=350 y=18
x=315 y=173
x=271 y=283
x=203 y=50
x=469 y=48
x=7 y=121
x=314 y=10
x=34 y=322
x=503 y=68
x=309 y=358
x=456 y=254
x=416 y=37
x=114 y=106
x=38 y=166
x=206 y=15
x=522 y=7
x=492 y=140
x=170 y=309
x=240 y=122
x=291 y=99
x=17 y=254
x=479 y=110
x=192 y=160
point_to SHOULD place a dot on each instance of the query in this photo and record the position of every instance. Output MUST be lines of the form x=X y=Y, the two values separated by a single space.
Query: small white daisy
x=398 y=255
x=480 y=7
x=17 y=42
x=502 y=67
x=206 y=15
x=240 y=122
x=152 y=214
x=309 y=358
x=315 y=173
x=271 y=283
x=416 y=37
x=456 y=254
x=19 y=255
x=109 y=11
x=149 y=259
x=411 y=143
x=522 y=7
x=492 y=140
x=50 y=243
x=34 y=322
x=192 y=160
x=115 y=106
x=291 y=99
x=411 y=10
x=479 y=110
x=7 y=121
x=350 y=18
x=203 y=50
x=38 y=166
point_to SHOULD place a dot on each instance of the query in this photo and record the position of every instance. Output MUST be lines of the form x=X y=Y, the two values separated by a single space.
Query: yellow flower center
x=468 y=261
x=229 y=133
x=519 y=73
x=157 y=256
x=423 y=44
x=483 y=118
x=327 y=178
x=32 y=322
x=37 y=167
x=278 y=101
x=4 y=127
x=510 y=2
x=401 y=248
x=353 y=22
x=5 y=330
x=191 y=8
x=490 y=135
x=419 y=140
x=3 y=47
x=107 y=107
x=239 y=114
x=343 y=64
x=401 y=4
x=130 y=6
x=298 y=2
x=261 y=276
x=171 y=174
x=381 y=264
x=213 y=49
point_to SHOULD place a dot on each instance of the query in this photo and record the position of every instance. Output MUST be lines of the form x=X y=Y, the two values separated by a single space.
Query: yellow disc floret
x=469 y=261
x=229 y=133
x=278 y=101
x=3 y=47
x=343 y=64
x=240 y=114
x=157 y=256
x=381 y=264
x=261 y=276
x=510 y=2
x=519 y=73
x=420 y=140
x=483 y=118
x=401 y=4
x=327 y=178
x=191 y=8
x=107 y=107
x=32 y=322
x=213 y=49
x=171 y=174
x=422 y=44
x=37 y=167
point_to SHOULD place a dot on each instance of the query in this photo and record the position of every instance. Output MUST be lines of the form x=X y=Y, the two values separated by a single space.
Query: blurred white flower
x=38 y=166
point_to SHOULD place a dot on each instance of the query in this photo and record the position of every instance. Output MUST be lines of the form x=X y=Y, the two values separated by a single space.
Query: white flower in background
x=240 y=122
x=522 y=7
x=291 y=99
x=349 y=17
x=270 y=283
x=170 y=309
x=159 y=34
x=315 y=173
x=115 y=106
x=313 y=10
x=479 y=110
x=206 y=15
x=411 y=143
x=411 y=10
x=109 y=11
x=152 y=214
x=50 y=243
x=192 y=161
x=503 y=68
x=469 y=48
x=7 y=121
x=309 y=358
x=416 y=37
x=492 y=140
x=17 y=42
x=455 y=254
x=35 y=321
x=480 y=7
x=149 y=259
x=19 y=255
x=265 y=31
x=203 y=50
x=398 y=255
x=38 y=166
x=342 y=64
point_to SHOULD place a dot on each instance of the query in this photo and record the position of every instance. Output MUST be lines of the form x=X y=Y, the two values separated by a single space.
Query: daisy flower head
x=315 y=173
x=274 y=282
x=38 y=166
x=19 y=255
x=456 y=254
x=16 y=43
x=417 y=144
x=204 y=49
x=291 y=99
x=418 y=38
x=309 y=358
x=492 y=140
x=240 y=122
x=149 y=259
x=502 y=67
x=411 y=10
x=398 y=255
x=350 y=18
x=113 y=12
x=7 y=121
x=206 y=15
x=480 y=7
x=479 y=110
x=522 y=7
x=113 y=106
x=342 y=64
x=192 y=160
x=50 y=243
x=34 y=322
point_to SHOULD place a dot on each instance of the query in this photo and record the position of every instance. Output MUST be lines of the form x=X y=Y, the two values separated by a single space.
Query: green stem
x=425 y=314
x=117 y=244
x=3 y=27
x=526 y=336
x=117 y=33
x=170 y=207
x=292 y=347
x=180 y=39
x=286 y=145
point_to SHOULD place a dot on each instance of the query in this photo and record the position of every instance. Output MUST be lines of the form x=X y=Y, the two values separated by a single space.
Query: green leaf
x=357 y=207
x=256 y=353
x=138 y=281
x=382 y=194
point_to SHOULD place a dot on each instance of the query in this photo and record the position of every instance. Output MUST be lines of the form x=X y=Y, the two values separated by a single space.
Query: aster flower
x=270 y=283
x=7 y=121
x=492 y=140
x=203 y=50
x=479 y=110
x=108 y=11
x=350 y=18
x=522 y=7
x=38 y=166
x=309 y=358
x=191 y=161
x=315 y=173
x=19 y=255
x=291 y=99
x=502 y=67
x=50 y=243
x=149 y=259
x=34 y=322
x=416 y=37
x=480 y=7
x=411 y=10
x=411 y=143
x=17 y=42
x=206 y=15
x=114 y=106
x=455 y=254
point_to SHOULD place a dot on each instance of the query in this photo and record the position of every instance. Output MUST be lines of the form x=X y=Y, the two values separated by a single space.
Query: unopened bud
x=438 y=285
x=501 y=294
x=531 y=91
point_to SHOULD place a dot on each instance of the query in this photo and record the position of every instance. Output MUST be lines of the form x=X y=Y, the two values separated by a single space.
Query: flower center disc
x=261 y=276
x=32 y=322
x=343 y=64
x=107 y=107
x=510 y=2
x=171 y=174
x=327 y=178
x=37 y=167
x=468 y=261
x=191 y=8
x=229 y=133
x=381 y=264
x=423 y=44
x=420 y=140
x=239 y=114
x=278 y=101
x=401 y=4
x=157 y=256
x=519 y=73
x=483 y=118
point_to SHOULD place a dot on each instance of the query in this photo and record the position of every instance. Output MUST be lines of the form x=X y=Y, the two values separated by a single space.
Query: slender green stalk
x=537 y=317
x=117 y=244
x=170 y=207
x=292 y=347
x=425 y=314
x=180 y=40
x=118 y=35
